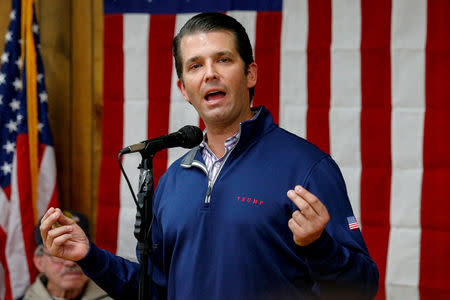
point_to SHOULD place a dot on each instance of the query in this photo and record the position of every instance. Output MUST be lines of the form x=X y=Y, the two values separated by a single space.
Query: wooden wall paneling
x=82 y=108
x=5 y=9
x=54 y=17
x=98 y=103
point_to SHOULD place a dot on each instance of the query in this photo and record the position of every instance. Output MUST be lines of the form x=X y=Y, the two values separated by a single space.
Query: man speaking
x=254 y=212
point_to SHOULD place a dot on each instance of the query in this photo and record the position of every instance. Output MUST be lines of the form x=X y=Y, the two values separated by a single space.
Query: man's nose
x=210 y=72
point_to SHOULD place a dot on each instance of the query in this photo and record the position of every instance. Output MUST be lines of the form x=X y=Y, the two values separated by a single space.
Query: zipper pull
x=208 y=192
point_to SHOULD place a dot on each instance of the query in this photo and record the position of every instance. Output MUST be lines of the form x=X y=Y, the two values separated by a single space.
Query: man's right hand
x=62 y=237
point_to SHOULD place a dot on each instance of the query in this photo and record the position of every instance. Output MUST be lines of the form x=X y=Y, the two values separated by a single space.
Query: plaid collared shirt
x=212 y=162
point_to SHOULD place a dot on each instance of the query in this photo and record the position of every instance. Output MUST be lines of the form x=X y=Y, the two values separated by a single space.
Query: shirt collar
x=229 y=141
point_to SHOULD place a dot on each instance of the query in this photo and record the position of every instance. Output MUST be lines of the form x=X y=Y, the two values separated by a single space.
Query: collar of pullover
x=250 y=131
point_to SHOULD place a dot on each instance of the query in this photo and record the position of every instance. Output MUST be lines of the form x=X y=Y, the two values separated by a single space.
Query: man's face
x=214 y=79
x=63 y=275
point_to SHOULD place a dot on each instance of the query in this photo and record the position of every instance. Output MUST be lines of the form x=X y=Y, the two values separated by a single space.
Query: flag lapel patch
x=352 y=223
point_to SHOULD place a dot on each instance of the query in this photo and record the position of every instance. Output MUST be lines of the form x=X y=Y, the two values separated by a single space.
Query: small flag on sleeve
x=352 y=223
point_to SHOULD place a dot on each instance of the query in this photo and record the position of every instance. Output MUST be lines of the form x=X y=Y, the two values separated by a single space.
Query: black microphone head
x=190 y=136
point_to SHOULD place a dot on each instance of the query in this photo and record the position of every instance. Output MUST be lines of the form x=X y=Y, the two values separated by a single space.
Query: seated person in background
x=60 y=278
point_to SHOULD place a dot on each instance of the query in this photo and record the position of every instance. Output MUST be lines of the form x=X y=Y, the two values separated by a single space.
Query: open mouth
x=216 y=95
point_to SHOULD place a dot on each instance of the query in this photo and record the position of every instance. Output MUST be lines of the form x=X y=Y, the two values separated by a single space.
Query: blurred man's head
x=62 y=276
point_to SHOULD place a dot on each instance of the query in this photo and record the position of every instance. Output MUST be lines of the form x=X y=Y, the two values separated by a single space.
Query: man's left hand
x=309 y=221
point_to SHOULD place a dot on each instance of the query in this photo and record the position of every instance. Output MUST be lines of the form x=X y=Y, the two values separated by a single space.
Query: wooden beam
x=98 y=103
x=54 y=20
x=82 y=106
x=5 y=9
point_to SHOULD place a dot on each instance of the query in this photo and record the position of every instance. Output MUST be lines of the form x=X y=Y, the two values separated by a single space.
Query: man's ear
x=38 y=262
x=180 y=85
x=252 y=74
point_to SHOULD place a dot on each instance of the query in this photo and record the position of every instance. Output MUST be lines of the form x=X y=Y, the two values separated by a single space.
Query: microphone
x=187 y=137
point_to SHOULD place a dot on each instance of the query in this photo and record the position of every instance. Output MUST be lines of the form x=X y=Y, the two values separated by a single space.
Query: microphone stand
x=142 y=227
x=186 y=137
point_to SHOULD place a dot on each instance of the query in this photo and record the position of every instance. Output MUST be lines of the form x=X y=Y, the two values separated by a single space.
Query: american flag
x=367 y=81
x=352 y=223
x=18 y=210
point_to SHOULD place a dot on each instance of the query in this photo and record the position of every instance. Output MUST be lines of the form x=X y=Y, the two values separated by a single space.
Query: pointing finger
x=48 y=212
x=64 y=220
x=302 y=204
x=313 y=201
x=47 y=222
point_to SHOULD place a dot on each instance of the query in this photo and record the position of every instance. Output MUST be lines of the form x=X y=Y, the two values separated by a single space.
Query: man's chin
x=217 y=115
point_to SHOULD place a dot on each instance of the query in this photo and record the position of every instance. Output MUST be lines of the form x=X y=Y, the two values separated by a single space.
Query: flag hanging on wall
x=366 y=81
x=27 y=161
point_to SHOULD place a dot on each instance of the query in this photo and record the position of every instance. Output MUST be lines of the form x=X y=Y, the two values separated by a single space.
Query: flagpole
x=31 y=89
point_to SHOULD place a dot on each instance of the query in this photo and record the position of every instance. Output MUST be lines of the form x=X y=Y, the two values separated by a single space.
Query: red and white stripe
x=408 y=33
x=345 y=102
x=17 y=221
x=353 y=226
x=366 y=81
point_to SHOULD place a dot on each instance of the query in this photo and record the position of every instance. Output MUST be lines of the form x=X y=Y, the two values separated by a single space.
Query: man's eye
x=224 y=59
x=194 y=66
